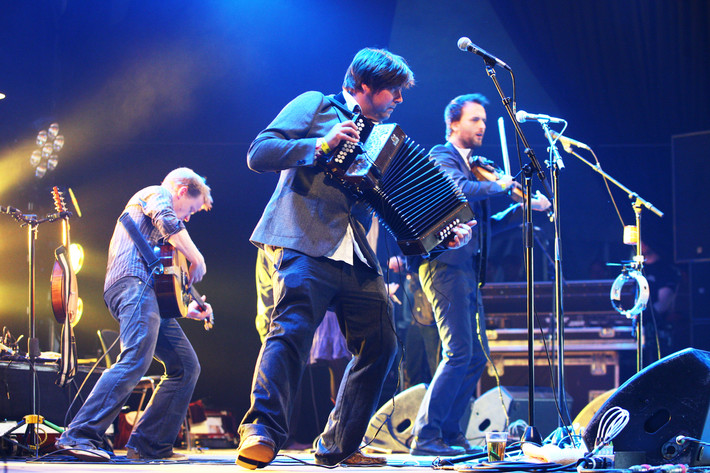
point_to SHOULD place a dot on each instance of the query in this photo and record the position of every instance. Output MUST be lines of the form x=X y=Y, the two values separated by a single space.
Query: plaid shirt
x=152 y=210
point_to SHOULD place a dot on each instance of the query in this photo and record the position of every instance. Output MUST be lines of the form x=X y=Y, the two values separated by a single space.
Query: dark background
x=142 y=87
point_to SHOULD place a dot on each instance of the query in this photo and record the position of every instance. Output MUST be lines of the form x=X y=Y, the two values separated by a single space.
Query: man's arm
x=451 y=165
x=182 y=241
x=284 y=143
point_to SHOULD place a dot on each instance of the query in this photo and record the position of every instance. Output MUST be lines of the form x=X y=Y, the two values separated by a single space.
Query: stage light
x=52 y=162
x=41 y=138
x=76 y=256
x=49 y=143
x=58 y=143
x=79 y=311
x=35 y=158
x=41 y=170
x=53 y=130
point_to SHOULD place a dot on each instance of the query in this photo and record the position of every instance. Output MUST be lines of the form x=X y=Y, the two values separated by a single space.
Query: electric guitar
x=172 y=285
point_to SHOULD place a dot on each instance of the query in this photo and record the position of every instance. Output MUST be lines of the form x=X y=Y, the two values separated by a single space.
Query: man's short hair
x=453 y=110
x=196 y=184
x=379 y=69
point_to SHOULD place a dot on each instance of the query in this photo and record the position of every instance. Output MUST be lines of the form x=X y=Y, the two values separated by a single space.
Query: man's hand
x=463 y=232
x=342 y=131
x=540 y=202
x=505 y=181
x=195 y=312
x=197 y=271
x=391 y=290
x=396 y=264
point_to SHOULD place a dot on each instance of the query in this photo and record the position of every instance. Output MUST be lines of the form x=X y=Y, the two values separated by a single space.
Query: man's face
x=184 y=205
x=469 y=130
x=378 y=106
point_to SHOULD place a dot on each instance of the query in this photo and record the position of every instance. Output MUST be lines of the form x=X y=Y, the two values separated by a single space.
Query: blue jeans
x=454 y=295
x=304 y=288
x=144 y=335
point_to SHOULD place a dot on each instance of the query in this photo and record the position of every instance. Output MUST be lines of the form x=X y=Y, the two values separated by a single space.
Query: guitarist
x=160 y=213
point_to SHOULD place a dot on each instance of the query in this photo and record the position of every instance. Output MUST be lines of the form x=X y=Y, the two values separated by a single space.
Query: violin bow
x=504 y=146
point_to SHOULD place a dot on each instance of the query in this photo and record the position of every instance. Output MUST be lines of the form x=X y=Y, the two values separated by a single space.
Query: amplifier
x=52 y=401
x=586 y=304
x=587 y=373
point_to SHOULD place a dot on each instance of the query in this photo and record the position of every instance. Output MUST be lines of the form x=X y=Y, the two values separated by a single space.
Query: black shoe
x=462 y=441
x=434 y=447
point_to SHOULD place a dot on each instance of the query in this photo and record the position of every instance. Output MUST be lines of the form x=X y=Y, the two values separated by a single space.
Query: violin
x=484 y=170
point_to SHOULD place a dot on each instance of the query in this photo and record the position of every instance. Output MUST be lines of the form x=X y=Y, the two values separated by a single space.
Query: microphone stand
x=638 y=260
x=531 y=433
x=557 y=165
x=32 y=420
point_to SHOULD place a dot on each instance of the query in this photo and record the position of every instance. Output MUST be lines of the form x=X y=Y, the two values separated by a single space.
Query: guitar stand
x=31 y=421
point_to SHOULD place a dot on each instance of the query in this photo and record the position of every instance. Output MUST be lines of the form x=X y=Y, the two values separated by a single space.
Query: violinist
x=451 y=283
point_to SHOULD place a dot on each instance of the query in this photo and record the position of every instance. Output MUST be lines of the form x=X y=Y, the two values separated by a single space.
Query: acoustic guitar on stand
x=65 y=294
x=172 y=285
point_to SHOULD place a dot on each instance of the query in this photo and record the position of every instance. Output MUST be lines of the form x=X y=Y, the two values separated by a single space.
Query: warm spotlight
x=79 y=311
x=76 y=256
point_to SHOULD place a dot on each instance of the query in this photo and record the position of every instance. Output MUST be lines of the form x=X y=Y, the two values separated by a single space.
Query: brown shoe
x=360 y=459
x=255 y=451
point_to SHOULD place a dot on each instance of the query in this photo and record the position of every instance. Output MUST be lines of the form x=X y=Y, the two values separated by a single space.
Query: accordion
x=410 y=194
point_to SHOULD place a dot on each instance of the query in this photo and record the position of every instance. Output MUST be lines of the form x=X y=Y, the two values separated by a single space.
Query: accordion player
x=412 y=197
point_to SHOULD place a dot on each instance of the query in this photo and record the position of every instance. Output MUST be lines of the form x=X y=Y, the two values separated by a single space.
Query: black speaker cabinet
x=667 y=399
x=691 y=225
x=52 y=401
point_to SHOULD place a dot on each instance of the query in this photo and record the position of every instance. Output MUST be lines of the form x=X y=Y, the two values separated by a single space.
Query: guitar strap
x=139 y=240
x=68 y=358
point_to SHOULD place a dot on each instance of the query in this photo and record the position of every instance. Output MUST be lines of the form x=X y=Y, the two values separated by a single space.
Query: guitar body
x=64 y=304
x=172 y=285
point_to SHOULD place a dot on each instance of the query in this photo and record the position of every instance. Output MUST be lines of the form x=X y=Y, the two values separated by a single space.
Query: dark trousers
x=454 y=295
x=304 y=288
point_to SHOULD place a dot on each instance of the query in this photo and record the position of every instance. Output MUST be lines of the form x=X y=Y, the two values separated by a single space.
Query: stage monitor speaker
x=667 y=399
x=390 y=429
x=488 y=414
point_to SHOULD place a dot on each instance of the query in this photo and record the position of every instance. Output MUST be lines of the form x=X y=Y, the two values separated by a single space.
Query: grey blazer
x=308 y=211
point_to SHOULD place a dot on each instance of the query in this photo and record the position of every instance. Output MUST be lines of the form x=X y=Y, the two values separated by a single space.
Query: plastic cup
x=495 y=443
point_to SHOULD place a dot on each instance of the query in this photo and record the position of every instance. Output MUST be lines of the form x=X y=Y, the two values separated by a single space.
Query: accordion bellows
x=412 y=197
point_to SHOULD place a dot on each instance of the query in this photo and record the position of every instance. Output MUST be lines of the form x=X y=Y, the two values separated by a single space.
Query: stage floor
x=208 y=460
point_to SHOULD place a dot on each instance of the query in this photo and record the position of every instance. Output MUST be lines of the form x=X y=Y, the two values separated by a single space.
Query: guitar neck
x=197 y=297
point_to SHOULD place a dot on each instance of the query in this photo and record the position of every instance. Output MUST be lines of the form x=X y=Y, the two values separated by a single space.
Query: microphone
x=9 y=210
x=566 y=142
x=465 y=44
x=522 y=116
